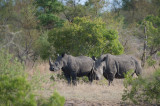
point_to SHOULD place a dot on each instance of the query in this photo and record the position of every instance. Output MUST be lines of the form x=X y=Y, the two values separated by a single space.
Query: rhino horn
x=50 y=61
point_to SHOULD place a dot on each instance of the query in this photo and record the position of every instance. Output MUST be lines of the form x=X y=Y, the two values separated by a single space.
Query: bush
x=142 y=90
x=14 y=87
x=151 y=62
x=85 y=36
x=43 y=48
x=54 y=100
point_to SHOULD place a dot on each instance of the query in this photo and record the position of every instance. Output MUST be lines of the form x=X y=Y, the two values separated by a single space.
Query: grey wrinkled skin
x=112 y=66
x=74 y=67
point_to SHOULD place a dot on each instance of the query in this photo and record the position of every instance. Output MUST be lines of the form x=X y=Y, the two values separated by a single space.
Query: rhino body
x=112 y=66
x=73 y=67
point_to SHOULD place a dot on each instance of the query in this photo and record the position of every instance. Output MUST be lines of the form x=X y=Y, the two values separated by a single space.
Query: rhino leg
x=110 y=77
x=90 y=78
x=109 y=83
x=68 y=77
x=74 y=79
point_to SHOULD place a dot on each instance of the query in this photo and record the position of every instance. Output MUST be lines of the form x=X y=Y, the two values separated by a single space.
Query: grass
x=98 y=92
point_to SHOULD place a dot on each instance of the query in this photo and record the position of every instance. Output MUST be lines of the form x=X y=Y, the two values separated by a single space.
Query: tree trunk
x=145 y=48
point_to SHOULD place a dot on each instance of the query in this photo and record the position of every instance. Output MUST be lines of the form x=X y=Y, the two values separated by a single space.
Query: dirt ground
x=94 y=95
x=87 y=95
x=84 y=94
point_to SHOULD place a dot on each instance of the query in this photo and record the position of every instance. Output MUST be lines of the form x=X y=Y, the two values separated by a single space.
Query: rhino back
x=82 y=65
x=120 y=64
x=126 y=63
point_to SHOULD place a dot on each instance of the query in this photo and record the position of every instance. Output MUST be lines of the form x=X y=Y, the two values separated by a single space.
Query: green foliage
x=61 y=76
x=154 y=19
x=85 y=37
x=6 y=11
x=142 y=90
x=90 y=8
x=158 y=53
x=14 y=87
x=54 y=100
x=104 y=81
x=83 y=79
x=153 y=32
x=74 y=9
x=94 y=7
x=48 y=11
x=43 y=47
x=128 y=4
x=150 y=61
x=113 y=21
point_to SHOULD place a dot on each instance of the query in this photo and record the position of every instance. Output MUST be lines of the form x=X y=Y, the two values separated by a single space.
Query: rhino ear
x=94 y=58
x=63 y=54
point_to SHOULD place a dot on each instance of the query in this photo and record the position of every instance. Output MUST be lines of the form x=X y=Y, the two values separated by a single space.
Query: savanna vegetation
x=31 y=31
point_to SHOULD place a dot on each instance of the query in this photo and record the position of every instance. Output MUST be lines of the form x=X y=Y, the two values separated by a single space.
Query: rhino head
x=58 y=64
x=99 y=68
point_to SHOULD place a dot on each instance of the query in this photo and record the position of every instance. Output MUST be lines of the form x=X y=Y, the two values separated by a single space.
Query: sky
x=108 y=7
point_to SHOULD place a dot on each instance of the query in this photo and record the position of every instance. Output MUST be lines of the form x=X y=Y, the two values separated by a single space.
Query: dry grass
x=149 y=70
x=94 y=93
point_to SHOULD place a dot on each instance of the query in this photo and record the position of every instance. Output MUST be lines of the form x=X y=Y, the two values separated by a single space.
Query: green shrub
x=151 y=62
x=14 y=87
x=54 y=100
x=144 y=91
x=43 y=47
x=85 y=36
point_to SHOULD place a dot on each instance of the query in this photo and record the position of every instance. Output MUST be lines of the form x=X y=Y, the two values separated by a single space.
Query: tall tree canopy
x=47 y=12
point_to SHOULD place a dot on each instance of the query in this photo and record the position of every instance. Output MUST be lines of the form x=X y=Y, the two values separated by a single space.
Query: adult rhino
x=73 y=67
x=111 y=66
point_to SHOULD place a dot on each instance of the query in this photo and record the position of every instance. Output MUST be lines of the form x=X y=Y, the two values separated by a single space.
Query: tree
x=73 y=9
x=85 y=36
x=43 y=47
x=6 y=11
x=142 y=90
x=47 y=13
x=153 y=33
x=20 y=31
x=92 y=8
x=95 y=7
x=137 y=10
x=156 y=4
x=151 y=37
